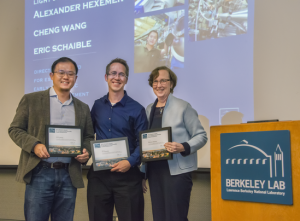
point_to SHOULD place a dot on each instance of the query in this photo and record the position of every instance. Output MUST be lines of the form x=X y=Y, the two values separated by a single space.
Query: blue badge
x=256 y=167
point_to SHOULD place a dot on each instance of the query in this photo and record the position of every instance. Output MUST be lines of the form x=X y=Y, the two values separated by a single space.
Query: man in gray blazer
x=51 y=182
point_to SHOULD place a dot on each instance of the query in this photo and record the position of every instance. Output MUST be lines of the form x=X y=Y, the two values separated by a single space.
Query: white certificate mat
x=155 y=140
x=152 y=144
x=109 y=152
x=62 y=141
x=65 y=136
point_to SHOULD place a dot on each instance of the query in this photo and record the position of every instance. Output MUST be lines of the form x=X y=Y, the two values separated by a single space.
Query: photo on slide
x=158 y=41
x=217 y=18
x=143 y=6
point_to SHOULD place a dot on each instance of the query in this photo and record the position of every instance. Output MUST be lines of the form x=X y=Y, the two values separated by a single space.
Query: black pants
x=170 y=195
x=124 y=190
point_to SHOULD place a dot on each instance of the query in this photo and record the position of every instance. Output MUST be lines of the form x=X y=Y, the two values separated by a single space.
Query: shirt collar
x=52 y=93
x=122 y=101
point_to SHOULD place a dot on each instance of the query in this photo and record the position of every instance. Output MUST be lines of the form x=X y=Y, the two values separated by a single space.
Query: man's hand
x=174 y=147
x=82 y=158
x=144 y=184
x=122 y=166
x=41 y=151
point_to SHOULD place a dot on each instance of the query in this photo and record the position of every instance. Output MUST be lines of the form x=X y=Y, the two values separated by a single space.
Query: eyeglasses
x=62 y=73
x=115 y=74
x=162 y=82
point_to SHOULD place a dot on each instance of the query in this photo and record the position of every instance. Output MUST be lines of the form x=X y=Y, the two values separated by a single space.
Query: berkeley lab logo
x=256 y=166
x=51 y=130
x=144 y=136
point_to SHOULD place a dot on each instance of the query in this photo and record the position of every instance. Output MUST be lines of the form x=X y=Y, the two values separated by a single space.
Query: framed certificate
x=152 y=144
x=108 y=152
x=64 y=141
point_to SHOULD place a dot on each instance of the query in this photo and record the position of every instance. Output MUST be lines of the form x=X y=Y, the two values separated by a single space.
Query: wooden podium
x=240 y=210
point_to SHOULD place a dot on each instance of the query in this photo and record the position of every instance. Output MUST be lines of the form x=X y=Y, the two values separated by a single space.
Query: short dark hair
x=118 y=60
x=151 y=32
x=154 y=74
x=64 y=59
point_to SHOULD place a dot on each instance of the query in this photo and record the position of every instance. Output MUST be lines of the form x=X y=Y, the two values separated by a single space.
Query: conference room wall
x=12 y=72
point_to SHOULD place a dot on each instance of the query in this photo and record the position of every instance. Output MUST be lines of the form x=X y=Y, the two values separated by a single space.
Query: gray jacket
x=28 y=127
x=186 y=127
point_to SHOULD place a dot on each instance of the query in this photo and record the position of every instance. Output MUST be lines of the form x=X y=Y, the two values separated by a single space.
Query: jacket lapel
x=166 y=110
x=45 y=102
x=78 y=112
x=152 y=113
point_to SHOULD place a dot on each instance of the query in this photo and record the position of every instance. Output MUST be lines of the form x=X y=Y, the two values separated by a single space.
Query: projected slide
x=161 y=44
x=216 y=19
x=207 y=43
x=142 y=6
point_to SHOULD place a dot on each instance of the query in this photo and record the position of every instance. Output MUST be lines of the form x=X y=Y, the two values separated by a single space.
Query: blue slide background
x=217 y=73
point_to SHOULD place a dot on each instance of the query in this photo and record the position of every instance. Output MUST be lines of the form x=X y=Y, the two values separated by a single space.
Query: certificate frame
x=63 y=150
x=105 y=164
x=155 y=154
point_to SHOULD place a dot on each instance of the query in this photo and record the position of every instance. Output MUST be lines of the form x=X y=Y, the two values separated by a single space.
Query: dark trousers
x=170 y=195
x=50 y=192
x=124 y=190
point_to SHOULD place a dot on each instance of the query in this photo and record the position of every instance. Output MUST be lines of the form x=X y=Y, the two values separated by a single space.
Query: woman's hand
x=174 y=147
x=144 y=184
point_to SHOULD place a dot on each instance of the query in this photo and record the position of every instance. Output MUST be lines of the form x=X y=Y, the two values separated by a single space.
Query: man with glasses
x=117 y=115
x=51 y=182
x=147 y=57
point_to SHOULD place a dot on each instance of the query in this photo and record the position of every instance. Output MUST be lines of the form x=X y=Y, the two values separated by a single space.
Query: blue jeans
x=49 y=192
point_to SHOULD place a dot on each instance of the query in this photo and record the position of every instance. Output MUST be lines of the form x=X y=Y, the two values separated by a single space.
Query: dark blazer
x=28 y=127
